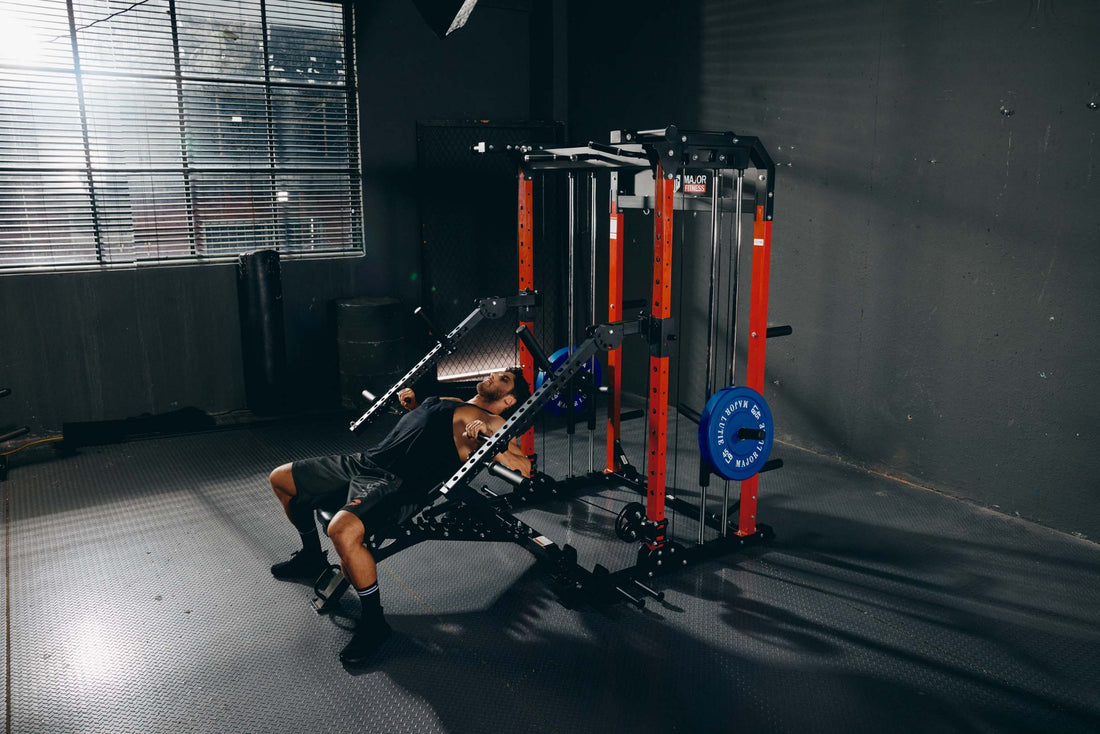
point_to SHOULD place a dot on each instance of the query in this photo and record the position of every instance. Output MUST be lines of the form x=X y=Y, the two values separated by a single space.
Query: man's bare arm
x=512 y=457
x=408 y=400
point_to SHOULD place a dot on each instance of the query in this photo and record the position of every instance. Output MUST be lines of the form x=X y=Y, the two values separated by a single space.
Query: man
x=386 y=485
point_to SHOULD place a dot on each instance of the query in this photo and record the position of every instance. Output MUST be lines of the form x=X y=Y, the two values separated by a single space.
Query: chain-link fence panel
x=469 y=225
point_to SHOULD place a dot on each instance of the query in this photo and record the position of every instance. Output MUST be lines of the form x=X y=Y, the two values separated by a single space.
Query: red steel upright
x=660 y=308
x=758 y=339
x=526 y=283
x=614 y=356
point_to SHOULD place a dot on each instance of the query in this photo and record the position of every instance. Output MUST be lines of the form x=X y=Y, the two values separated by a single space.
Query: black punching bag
x=263 y=342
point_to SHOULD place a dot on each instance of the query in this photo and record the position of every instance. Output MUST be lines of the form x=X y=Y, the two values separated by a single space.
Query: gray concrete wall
x=936 y=235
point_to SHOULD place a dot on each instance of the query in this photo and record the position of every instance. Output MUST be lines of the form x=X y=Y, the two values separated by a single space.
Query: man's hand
x=475 y=427
x=512 y=457
x=407 y=398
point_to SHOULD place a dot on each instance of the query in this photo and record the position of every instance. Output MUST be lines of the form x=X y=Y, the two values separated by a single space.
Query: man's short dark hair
x=520 y=390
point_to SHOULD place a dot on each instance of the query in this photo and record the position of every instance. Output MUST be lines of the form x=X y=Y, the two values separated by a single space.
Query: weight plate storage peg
x=560 y=403
x=736 y=432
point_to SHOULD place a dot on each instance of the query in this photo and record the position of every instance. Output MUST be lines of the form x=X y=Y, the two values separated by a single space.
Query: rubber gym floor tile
x=141 y=601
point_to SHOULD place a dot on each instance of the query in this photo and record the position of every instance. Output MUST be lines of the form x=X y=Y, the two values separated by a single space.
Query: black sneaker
x=301 y=566
x=365 y=642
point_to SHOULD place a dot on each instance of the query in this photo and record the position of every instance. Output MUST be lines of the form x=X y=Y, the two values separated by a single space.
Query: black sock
x=370 y=602
x=311 y=542
x=307 y=528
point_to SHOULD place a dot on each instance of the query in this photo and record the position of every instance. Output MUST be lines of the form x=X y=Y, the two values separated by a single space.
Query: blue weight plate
x=559 y=403
x=727 y=411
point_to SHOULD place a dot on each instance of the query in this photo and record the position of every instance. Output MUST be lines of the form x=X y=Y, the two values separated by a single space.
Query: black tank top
x=421 y=447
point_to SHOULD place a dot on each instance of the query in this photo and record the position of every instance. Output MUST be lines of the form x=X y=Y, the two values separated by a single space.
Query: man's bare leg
x=347 y=532
x=309 y=562
x=282 y=483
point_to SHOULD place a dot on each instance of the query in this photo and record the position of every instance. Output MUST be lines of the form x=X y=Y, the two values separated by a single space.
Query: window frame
x=343 y=200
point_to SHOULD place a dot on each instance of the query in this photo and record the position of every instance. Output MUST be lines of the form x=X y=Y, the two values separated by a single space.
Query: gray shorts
x=353 y=483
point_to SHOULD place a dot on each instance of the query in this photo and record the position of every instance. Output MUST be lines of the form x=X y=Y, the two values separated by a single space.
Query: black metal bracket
x=661 y=332
x=680 y=151
x=653 y=531
x=495 y=308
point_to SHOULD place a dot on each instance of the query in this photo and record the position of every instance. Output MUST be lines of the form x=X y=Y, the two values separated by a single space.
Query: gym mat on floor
x=138 y=599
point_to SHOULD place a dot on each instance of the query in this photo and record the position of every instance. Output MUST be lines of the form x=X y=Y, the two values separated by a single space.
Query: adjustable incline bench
x=457 y=511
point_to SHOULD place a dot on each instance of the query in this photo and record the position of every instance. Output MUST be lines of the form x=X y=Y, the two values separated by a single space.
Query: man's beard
x=490 y=391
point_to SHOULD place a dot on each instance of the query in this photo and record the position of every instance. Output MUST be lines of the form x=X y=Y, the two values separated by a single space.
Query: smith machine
x=735 y=426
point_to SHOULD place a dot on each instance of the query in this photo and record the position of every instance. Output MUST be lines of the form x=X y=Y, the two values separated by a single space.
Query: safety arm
x=601 y=337
x=492 y=307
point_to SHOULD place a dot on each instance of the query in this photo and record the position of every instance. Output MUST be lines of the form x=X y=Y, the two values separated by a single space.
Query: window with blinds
x=175 y=130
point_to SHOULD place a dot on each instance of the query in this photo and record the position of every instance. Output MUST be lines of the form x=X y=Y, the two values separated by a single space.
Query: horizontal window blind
x=167 y=131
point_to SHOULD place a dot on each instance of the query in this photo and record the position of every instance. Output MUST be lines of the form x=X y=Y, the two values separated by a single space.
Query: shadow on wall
x=934 y=236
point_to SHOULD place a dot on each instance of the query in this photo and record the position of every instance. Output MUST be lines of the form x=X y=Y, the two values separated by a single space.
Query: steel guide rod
x=712 y=334
x=592 y=319
x=734 y=275
x=571 y=306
